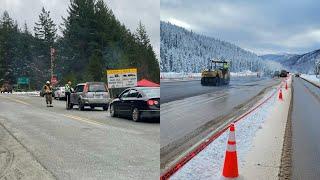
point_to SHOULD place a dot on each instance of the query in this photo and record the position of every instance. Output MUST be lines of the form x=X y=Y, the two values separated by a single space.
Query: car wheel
x=112 y=111
x=81 y=106
x=135 y=114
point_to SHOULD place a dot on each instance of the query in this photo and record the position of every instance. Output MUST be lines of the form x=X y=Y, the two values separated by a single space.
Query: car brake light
x=150 y=102
x=156 y=102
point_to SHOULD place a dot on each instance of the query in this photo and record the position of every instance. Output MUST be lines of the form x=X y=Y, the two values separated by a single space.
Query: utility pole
x=52 y=53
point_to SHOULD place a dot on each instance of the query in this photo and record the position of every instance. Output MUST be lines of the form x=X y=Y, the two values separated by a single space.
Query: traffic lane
x=73 y=149
x=171 y=91
x=305 y=131
x=182 y=117
x=150 y=127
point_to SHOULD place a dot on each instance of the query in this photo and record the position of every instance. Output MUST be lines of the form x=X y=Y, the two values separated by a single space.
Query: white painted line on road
x=16 y=100
x=83 y=119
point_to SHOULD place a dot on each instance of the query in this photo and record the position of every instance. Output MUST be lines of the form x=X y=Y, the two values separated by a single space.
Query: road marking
x=66 y=115
x=16 y=100
x=83 y=119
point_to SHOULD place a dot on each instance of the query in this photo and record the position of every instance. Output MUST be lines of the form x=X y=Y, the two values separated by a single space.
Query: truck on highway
x=217 y=74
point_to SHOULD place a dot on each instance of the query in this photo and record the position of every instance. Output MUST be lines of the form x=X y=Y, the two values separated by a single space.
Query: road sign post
x=54 y=80
x=52 y=53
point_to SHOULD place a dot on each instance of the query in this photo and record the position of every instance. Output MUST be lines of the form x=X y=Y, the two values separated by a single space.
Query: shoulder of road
x=16 y=162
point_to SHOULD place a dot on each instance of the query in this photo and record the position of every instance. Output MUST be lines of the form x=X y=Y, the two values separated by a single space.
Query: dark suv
x=92 y=94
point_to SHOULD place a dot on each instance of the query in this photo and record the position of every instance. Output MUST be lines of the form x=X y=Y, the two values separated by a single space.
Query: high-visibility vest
x=67 y=88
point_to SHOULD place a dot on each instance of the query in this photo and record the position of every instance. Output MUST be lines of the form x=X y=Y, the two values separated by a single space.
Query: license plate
x=98 y=96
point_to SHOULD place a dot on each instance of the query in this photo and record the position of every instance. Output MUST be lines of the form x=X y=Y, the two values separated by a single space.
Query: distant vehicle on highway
x=217 y=74
x=6 y=87
x=283 y=73
x=59 y=93
x=93 y=94
x=276 y=74
x=297 y=75
x=137 y=103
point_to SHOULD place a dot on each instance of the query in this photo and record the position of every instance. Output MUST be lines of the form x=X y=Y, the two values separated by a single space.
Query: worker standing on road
x=48 y=93
x=68 y=91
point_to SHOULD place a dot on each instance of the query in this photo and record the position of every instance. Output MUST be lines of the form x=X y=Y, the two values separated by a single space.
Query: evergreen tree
x=92 y=41
x=95 y=68
x=141 y=35
x=8 y=30
x=45 y=29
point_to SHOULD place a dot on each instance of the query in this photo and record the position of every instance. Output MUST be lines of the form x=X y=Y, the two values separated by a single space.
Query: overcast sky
x=262 y=26
x=129 y=12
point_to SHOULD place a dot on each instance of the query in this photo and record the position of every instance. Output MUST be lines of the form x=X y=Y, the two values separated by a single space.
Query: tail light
x=152 y=102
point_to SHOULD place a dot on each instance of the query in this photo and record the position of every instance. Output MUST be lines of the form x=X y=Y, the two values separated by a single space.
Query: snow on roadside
x=312 y=78
x=208 y=163
x=175 y=75
x=30 y=93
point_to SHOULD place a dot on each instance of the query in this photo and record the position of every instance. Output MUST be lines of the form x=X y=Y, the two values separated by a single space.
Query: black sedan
x=137 y=103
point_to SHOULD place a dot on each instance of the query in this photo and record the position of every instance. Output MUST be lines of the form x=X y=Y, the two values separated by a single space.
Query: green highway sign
x=23 y=80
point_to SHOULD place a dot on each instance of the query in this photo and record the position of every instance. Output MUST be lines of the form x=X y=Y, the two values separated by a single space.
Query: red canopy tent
x=146 y=83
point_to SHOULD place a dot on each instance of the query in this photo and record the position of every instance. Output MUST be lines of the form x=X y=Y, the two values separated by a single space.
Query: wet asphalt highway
x=187 y=107
x=181 y=115
x=305 y=131
x=82 y=144
x=176 y=90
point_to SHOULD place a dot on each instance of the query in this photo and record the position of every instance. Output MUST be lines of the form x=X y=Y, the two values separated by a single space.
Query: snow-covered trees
x=185 y=51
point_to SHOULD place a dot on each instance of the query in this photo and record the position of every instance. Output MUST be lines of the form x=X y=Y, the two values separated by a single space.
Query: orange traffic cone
x=280 y=95
x=230 y=167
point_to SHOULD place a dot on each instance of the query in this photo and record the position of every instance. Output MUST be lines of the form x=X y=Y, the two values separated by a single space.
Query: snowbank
x=186 y=76
x=312 y=78
x=30 y=93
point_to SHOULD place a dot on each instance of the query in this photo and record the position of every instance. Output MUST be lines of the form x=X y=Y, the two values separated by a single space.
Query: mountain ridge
x=182 y=50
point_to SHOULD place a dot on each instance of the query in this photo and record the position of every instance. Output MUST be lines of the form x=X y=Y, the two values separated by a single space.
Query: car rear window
x=80 y=88
x=97 y=88
x=152 y=92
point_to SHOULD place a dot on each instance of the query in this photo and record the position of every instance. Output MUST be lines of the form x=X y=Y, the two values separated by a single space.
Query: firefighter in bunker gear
x=48 y=93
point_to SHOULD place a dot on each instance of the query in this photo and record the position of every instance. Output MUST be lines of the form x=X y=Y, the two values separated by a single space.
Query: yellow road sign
x=121 y=78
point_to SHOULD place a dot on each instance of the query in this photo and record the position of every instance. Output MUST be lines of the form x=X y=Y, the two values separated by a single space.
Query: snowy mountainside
x=185 y=51
x=277 y=57
x=303 y=63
